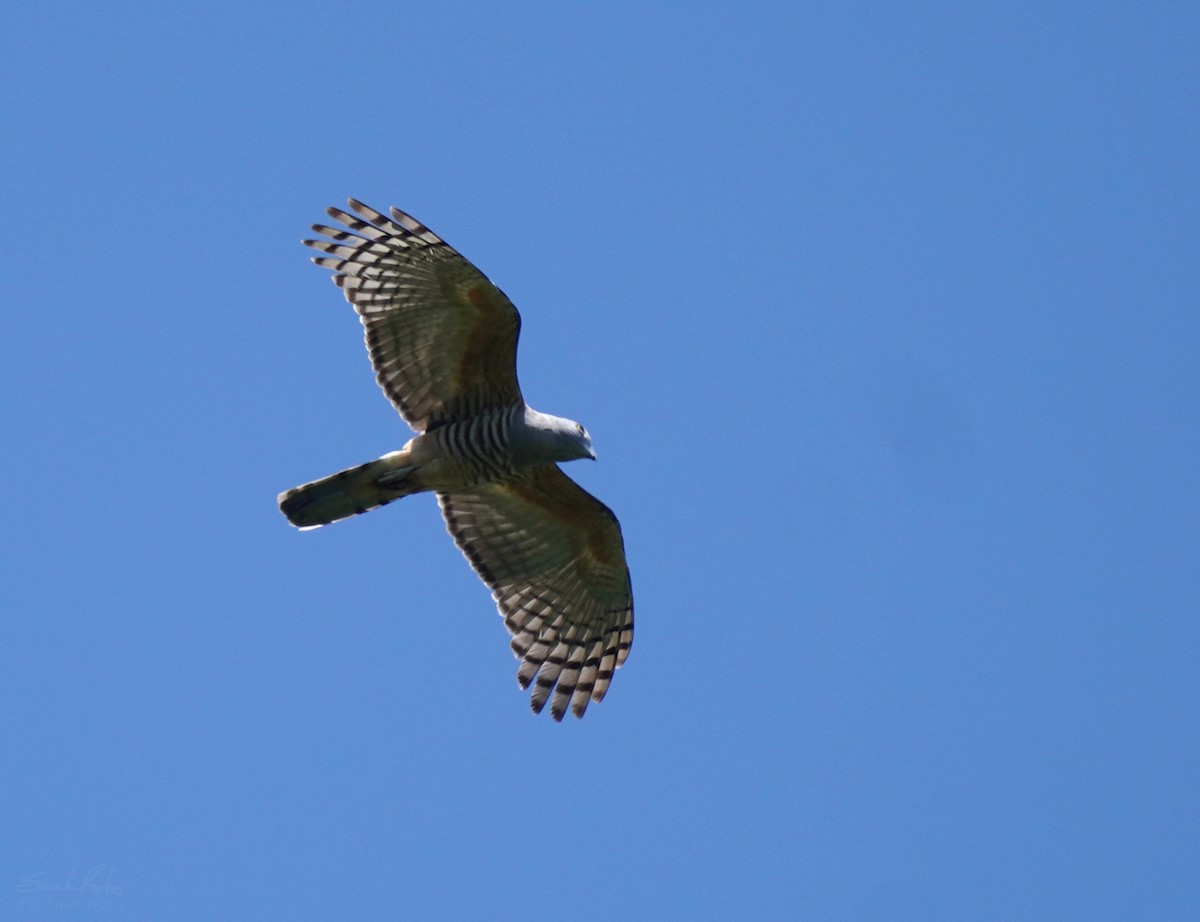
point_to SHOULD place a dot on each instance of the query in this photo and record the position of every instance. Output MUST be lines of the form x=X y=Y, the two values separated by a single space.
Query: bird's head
x=572 y=440
x=560 y=439
x=583 y=440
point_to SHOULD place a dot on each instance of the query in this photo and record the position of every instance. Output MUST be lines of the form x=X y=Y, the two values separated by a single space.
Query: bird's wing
x=553 y=557
x=442 y=338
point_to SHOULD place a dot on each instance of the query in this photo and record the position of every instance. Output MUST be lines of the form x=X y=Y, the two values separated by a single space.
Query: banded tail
x=349 y=492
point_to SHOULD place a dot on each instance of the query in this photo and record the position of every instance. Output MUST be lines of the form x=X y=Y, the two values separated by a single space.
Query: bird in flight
x=443 y=342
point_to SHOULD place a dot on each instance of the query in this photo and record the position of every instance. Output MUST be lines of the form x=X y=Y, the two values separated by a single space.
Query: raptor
x=443 y=342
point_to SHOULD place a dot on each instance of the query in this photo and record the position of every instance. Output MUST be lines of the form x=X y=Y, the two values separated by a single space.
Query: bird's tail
x=349 y=492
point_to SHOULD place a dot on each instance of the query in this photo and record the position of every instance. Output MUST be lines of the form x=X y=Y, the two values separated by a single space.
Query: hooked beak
x=591 y=453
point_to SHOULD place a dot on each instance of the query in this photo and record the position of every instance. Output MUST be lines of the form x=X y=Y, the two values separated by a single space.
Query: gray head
x=554 y=438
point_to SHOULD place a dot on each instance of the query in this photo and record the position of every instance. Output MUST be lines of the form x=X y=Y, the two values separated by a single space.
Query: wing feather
x=553 y=556
x=442 y=338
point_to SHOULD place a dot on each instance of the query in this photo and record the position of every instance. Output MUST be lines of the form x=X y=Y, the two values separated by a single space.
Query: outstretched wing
x=442 y=338
x=553 y=557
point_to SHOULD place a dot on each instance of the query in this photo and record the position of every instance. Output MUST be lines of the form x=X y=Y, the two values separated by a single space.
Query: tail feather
x=349 y=492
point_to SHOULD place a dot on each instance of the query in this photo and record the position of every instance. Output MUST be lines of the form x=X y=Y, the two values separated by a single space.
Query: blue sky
x=884 y=319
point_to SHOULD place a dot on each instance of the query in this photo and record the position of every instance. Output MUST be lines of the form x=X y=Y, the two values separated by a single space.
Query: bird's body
x=443 y=341
x=492 y=446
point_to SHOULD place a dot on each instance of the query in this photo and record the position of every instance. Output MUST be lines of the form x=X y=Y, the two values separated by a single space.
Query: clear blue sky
x=885 y=320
